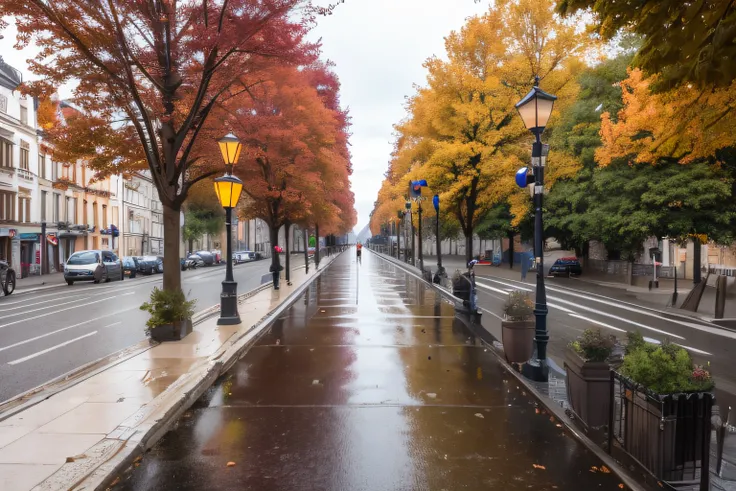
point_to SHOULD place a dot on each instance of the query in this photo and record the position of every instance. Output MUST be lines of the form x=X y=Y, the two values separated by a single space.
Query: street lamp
x=535 y=109
x=228 y=189
x=399 y=231
x=440 y=269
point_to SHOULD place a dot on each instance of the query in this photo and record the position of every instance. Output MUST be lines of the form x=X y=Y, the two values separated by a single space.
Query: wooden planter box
x=171 y=332
x=518 y=340
x=668 y=434
x=588 y=389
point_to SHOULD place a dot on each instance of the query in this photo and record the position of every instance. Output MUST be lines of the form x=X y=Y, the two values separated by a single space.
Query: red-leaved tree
x=149 y=74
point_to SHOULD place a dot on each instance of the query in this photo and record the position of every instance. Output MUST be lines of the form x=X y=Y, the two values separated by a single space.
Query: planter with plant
x=664 y=407
x=171 y=315
x=517 y=328
x=588 y=377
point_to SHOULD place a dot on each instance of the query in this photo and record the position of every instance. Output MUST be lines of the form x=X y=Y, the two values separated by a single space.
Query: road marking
x=63 y=310
x=5 y=316
x=492 y=313
x=555 y=306
x=39 y=303
x=34 y=355
x=20 y=343
x=622 y=319
x=603 y=324
x=515 y=287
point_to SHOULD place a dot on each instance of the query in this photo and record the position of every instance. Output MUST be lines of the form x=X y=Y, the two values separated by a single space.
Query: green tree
x=684 y=41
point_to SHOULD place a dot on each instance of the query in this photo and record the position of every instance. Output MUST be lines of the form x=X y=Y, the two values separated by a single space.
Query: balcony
x=26 y=175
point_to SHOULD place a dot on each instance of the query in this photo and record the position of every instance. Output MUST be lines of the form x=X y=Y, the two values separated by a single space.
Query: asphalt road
x=367 y=383
x=47 y=333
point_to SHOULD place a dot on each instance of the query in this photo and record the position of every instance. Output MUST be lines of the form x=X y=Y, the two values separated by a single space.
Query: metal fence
x=668 y=435
x=662 y=271
x=617 y=268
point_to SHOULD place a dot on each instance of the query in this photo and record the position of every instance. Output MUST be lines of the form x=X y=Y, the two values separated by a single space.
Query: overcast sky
x=378 y=47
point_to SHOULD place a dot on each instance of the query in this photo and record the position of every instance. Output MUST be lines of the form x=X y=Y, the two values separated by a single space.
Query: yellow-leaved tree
x=463 y=134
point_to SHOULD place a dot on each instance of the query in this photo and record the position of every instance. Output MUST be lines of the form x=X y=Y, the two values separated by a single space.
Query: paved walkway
x=83 y=432
x=368 y=383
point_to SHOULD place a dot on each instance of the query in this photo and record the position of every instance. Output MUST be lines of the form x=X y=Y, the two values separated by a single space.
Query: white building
x=141 y=221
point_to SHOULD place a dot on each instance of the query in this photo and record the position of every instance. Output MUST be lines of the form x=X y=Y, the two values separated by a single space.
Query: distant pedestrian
x=526 y=264
x=276 y=267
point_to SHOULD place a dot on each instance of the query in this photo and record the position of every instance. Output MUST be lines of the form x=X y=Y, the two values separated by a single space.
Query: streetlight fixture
x=440 y=269
x=399 y=231
x=535 y=109
x=228 y=189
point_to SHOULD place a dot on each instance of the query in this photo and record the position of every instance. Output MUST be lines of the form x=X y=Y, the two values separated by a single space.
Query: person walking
x=359 y=248
x=276 y=267
x=526 y=264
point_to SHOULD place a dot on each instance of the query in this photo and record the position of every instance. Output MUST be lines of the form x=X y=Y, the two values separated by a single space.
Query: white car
x=243 y=257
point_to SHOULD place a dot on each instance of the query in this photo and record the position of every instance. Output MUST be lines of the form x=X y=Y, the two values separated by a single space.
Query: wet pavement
x=368 y=383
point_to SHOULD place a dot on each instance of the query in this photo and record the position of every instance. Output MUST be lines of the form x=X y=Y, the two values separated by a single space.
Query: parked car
x=207 y=257
x=196 y=260
x=243 y=257
x=7 y=278
x=160 y=264
x=566 y=266
x=217 y=254
x=93 y=265
x=130 y=266
x=150 y=265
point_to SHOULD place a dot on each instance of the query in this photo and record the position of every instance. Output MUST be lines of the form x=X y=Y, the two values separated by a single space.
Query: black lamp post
x=421 y=249
x=436 y=203
x=228 y=189
x=535 y=109
x=411 y=234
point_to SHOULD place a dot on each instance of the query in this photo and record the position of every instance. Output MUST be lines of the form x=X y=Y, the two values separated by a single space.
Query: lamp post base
x=229 y=304
x=536 y=370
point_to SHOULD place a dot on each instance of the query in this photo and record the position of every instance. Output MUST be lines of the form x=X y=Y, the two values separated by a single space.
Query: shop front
x=30 y=254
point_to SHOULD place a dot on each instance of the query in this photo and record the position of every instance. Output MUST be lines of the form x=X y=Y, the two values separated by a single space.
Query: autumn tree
x=149 y=74
x=291 y=162
x=682 y=42
x=463 y=134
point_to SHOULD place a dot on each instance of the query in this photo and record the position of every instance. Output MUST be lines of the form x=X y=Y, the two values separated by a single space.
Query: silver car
x=95 y=265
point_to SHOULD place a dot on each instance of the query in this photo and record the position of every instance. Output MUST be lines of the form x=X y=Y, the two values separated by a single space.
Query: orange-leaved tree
x=149 y=73
x=291 y=158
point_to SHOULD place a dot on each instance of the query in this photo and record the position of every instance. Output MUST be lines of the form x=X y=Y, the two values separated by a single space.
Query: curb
x=141 y=431
x=545 y=401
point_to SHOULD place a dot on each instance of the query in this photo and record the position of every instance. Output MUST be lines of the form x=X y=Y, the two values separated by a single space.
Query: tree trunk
x=306 y=250
x=468 y=246
x=288 y=253
x=172 y=229
x=273 y=233
x=316 y=249
x=511 y=249
x=191 y=245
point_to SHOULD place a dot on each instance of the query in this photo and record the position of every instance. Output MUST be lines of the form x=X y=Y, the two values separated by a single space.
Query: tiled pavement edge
x=82 y=436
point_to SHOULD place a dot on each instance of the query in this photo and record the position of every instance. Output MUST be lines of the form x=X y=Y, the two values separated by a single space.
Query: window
x=56 y=205
x=42 y=165
x=104 y=216
x=44 y=195
x=6 y=153
x=74 y=213
x=23 y=114
x=24 y=154
x=7 y=206
x=24 y=209
x=3 y=104
x=94 y=214
x=66 y=209
x=84 y=213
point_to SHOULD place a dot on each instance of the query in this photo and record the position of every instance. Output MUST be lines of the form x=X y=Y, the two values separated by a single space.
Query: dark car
x=566 y=266
x=149 y=264
x=130 y=266
x=207 y=257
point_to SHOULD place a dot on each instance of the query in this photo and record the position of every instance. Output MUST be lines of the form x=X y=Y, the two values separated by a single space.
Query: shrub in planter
x=588 y=379
x=517 y=328
x=171 y=315
x=667 y=404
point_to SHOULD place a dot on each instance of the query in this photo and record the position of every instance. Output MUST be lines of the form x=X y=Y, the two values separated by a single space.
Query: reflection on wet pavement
x=368 y=383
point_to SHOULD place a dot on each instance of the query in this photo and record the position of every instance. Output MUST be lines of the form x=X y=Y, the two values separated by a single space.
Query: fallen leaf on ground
x=621 y=486
x=323 y=311
x=479 y=415
x=431 y=395
x=231 y=464
x=558 y=425
x=594 y=469
x=536 y=410
x=605 y=469
x=537 y=466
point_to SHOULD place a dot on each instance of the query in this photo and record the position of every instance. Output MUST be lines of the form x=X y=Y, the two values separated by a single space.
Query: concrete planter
x=172 y=332
x=588 y=389
x=518 y=340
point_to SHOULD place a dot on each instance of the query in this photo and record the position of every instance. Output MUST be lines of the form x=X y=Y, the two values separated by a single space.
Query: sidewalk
x=658 y=299
x=83 y=433
x=33 y=282
x=368 y=382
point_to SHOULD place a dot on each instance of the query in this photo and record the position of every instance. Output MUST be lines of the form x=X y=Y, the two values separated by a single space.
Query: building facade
x=141 y=230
